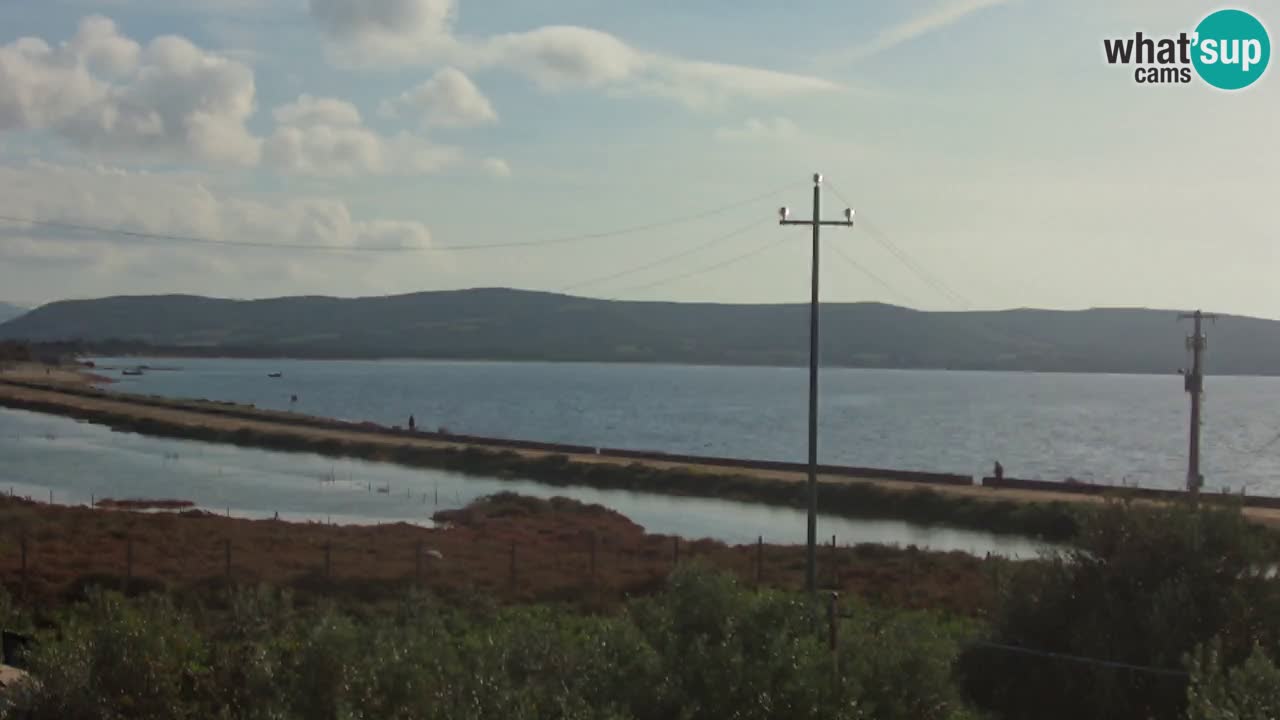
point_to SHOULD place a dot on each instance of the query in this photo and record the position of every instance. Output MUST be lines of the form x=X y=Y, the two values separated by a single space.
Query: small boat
x=131 y=371
x=275 y=375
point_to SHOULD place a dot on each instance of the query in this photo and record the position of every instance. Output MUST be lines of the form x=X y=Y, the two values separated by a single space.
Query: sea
x=49 y=458
x=1110 y=429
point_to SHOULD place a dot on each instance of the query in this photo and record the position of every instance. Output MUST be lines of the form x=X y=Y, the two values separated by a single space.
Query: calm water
x=1100 y=428
x=78 y=461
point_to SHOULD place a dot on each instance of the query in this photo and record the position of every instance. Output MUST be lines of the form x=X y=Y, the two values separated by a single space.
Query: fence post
x=23 y=542
x=759 y=560
x=417 y=563
x=226 y=547
x=833 y=627
x=835 y=570
x=50 y=496
x=514 y=579
x=594 y=540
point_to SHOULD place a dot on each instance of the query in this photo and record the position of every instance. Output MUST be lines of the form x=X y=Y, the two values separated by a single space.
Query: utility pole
x=811 y=560
x=1194 y=384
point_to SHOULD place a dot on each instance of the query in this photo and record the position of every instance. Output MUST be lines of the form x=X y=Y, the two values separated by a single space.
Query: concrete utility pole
x=810 y=576
x=1194 y=384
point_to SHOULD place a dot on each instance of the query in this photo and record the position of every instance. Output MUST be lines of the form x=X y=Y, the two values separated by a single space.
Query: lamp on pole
x=810 y=577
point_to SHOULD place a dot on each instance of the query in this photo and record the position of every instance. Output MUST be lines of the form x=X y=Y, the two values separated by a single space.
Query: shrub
x=1144 y=586
x=1249 y=691
x=114 y=658
x=704 y=648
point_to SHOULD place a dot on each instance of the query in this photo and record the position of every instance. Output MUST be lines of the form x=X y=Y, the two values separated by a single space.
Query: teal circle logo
x=1231 y=49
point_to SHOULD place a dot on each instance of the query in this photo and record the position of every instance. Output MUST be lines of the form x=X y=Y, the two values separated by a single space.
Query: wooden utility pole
x=811 y=560
x=1194 y=384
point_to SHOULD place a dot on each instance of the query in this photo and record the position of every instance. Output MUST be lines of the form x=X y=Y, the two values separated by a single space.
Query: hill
x=521 y=325
x=9 y=311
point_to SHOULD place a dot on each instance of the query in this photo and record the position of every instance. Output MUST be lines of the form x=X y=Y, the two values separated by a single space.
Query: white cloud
x=497 y=167
x=562 y=56
x=559 y=57
x=181 y=204
x=100 y=47
x=777 y=129
x=448 y=99
x=188 y=204
x=308 y=110
x=106 y=93
x=325 y=137
x=391 y=233
x=942 y=14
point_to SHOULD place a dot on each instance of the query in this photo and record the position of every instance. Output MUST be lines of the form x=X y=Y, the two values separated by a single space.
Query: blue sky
x=987 y=141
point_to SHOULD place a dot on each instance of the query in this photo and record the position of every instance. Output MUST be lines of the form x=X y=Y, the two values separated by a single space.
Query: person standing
x=412 y=424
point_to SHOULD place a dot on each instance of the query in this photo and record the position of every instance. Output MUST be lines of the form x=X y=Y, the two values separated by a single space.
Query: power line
x=703 y=270
x=1167 y=672
x=677 y=220
x=190 y=239
x=941 y=286
x=665 y=259
x=870 y=275
x=929 y=278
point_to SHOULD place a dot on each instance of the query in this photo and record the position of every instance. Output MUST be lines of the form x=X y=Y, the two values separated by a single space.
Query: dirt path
x=65 y=375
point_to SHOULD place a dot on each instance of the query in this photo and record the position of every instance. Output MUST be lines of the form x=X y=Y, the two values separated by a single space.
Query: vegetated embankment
x=509 y=547
x=928 y=498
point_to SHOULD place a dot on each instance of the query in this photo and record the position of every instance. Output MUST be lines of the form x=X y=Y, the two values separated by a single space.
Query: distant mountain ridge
x=9 y=311
x=503 y=324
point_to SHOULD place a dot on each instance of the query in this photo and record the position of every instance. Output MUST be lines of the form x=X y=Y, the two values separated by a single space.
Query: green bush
x=1249 y=691
x=1143 y=586
x=704 y=648
x=113 y=658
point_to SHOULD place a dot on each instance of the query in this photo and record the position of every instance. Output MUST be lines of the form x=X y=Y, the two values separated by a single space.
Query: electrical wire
x=871 y=276
x=665 y=259
x=934 y=281
x=668 y=222
x=1167 y=672
x=705 y=269
x=929 y=278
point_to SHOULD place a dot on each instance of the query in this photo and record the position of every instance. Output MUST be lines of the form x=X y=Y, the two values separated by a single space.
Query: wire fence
x=581 y=554
x=580 y=564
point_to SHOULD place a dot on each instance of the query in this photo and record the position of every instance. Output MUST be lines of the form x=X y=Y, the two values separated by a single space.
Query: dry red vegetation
x=514 y=548
x=144 y=504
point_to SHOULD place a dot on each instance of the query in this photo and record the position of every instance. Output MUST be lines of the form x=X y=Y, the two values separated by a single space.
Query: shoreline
x=1048 y=514
x=169 y=354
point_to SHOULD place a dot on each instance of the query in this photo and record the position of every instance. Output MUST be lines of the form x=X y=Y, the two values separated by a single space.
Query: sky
x=631 y=150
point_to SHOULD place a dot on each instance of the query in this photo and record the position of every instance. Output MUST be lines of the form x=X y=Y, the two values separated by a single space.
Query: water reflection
x=79 y=462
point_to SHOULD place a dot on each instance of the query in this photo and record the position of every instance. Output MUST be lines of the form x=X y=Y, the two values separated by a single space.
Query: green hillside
x=521 y=325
